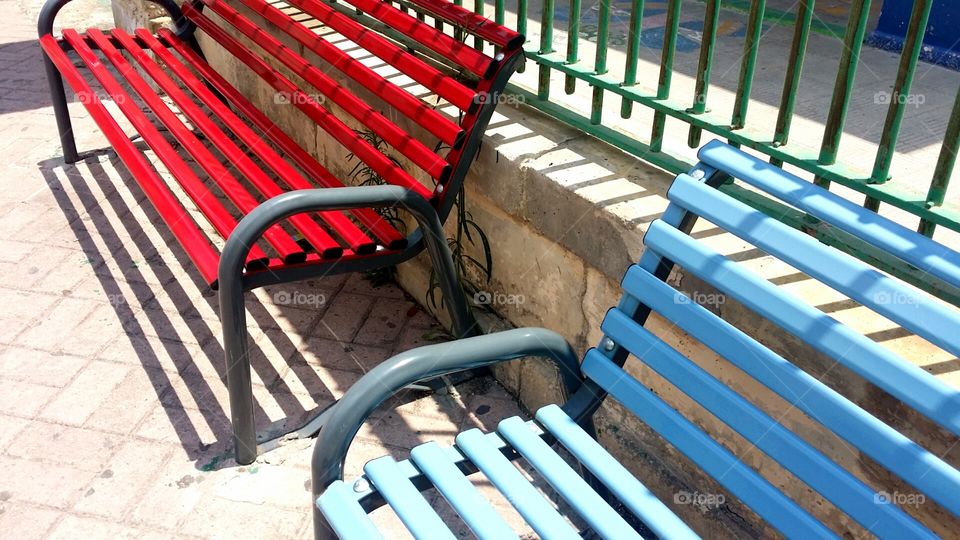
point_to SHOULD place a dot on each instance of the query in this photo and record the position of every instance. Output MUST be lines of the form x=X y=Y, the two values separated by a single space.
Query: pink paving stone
x=55 y=324
x=52 y=443
x=151 y=352
x=19 y=310
x=60 y=269
x=10 y=426
x=49 y=484
x=29 y=522
x=385 y=322
x=24 y=398
x=129 y=402
x=27 y=365
x=91 y=528
x=122 y=479
x=344 y=317
x=93 y=333
x=331 y=354
x=211 y=518
x=85 y=393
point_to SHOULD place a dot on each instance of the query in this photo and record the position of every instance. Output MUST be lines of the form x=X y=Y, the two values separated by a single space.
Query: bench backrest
x=667 y=242
x=467 y=78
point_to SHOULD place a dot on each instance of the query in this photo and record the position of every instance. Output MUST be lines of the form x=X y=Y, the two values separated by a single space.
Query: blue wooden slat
x=918 y=250
x=885 y=445
x=809 y=465
x=591 y=506
x=345 y=515
x=404 y=498
x=755 y=491
x=621 y=482
x=529 y=502
x=476 y=511
x=873 y=362
x=889 y=297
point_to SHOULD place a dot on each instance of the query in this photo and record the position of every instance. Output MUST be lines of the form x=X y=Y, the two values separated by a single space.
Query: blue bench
x=604 y=495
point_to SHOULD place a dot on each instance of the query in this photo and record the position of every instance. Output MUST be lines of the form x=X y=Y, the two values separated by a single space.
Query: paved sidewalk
x=113 y=414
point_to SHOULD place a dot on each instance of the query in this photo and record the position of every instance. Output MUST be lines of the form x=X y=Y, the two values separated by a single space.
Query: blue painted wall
x=940 y=40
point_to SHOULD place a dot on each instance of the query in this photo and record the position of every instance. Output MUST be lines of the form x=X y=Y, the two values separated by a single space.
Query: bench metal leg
x=233 y=317
x=232 y=284
x=59 y=98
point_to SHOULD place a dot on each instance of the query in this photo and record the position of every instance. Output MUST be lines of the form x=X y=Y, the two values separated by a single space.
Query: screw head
x=698 y=174
x=361 y=485
x=440 y=188
x=608 y=344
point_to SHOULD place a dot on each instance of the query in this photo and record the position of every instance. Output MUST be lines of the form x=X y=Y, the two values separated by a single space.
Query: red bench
x=283 y=216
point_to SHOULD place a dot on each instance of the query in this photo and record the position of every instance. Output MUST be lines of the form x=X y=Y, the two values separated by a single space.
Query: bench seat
x=249 y=206
x=328 y=235
x=442 y=469
x=762 y=389
x=242 y=158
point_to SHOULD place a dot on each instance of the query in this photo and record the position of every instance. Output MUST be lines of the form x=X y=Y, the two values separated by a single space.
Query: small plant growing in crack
x=466 y=232
x=369 y=177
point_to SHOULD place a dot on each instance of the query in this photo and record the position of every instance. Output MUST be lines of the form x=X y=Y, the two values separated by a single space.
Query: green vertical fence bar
x=546 y=47
x=846 y=73
x=633 y=54
x=478 y=8
x=600 y=63
x=751 y=45
x=901 y=89
x=499 y=11
x=709 y=41
x=457 y=32
x=573 y=44
x=666 y=71
x=798 y=49
x=522 y=27
x=945 y=163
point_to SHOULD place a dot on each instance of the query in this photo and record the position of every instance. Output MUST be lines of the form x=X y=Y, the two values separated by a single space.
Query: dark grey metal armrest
x=232 y=282
x=422 y=363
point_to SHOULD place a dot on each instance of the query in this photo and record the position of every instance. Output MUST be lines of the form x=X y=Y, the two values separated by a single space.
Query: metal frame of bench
x=340 y=508
x=242 y=265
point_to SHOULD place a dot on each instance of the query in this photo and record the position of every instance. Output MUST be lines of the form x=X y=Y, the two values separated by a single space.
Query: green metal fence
x=575 y=68
x=877 y=188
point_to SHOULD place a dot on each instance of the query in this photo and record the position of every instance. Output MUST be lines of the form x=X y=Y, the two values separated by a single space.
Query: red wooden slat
x=406 y=144
x=205 y=201
x=312 y=232
x=411 y=107
x=368 y=218
x=275 y=236
x=194 y=242
x=471 y=22
x=440 y=43
x=446 y=87
x=381 y=164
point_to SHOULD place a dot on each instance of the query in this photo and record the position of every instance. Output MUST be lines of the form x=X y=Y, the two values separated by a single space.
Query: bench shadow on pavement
x=178 y=390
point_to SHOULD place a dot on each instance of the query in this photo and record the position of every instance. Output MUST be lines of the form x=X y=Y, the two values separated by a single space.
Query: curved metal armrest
x=254 y=224
x=427 y=362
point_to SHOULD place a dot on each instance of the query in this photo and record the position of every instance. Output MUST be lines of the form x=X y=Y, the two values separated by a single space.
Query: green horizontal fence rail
x=878 y=188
